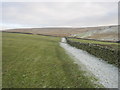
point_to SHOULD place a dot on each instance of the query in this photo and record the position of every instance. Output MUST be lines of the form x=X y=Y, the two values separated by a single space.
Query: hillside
x=109 y=33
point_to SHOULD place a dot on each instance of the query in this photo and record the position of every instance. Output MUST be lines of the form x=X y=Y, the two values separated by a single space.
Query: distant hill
x=109 y=33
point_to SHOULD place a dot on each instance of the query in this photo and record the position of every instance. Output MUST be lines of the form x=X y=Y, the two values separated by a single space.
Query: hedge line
x=107 y=54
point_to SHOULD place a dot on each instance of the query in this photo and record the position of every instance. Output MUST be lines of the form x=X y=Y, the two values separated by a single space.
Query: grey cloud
x=60 y=14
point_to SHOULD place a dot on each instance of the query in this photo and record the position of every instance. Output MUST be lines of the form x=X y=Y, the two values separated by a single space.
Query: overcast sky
x=58 y=14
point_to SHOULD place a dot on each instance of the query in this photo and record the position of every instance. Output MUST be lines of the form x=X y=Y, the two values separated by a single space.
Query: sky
x=57 y=14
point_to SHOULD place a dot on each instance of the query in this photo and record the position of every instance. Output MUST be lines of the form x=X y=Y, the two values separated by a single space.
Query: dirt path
x=106 y=73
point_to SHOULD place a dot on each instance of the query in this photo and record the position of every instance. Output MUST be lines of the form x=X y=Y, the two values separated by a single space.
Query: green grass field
x=34 y=61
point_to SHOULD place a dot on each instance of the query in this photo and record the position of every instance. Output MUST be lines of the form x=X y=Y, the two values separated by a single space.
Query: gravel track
x=107 y=74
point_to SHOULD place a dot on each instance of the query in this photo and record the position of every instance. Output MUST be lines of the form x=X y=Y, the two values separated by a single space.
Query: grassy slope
x=38 y=61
